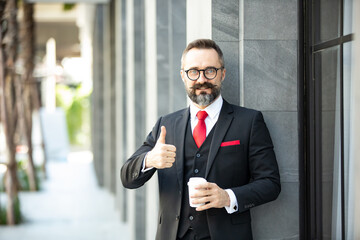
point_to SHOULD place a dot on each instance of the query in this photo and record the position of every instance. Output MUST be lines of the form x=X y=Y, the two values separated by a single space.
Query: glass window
x=327 y=80
x=330 y=110
x=348 y=161
x=326 y=20
x=348 y=17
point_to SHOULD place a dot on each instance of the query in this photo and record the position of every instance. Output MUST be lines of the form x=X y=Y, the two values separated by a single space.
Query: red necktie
x=199 y=133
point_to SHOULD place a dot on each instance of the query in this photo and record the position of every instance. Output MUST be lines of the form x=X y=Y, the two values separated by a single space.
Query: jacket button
x=191 y=218
x=196 y=170
x=177 y=218
x=198 y=155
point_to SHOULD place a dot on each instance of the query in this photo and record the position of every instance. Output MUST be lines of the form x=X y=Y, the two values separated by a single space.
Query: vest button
x=191 y=218
x=196 y=171
x=198 y=155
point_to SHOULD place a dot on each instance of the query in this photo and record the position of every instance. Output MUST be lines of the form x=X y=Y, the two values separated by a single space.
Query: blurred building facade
x=292 y=59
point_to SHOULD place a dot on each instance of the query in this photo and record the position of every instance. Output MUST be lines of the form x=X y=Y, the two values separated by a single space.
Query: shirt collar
x=212 y=110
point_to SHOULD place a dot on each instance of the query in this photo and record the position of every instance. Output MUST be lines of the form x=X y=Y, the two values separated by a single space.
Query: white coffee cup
x=193 y=182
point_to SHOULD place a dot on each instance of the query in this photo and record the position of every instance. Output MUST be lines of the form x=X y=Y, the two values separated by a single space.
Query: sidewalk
x=70 y=206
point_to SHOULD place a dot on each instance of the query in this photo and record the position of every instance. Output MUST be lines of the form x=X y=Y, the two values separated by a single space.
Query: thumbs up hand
x=162 y=155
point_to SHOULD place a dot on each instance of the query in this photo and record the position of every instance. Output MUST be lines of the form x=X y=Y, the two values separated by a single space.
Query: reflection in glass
x=327 y=26
x=327 y=79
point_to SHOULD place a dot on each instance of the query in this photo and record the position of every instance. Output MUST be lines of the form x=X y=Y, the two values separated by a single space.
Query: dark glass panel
x=328 y=98
x=326 y=24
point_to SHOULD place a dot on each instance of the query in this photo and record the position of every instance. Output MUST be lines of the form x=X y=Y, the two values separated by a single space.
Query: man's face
x=202 y=91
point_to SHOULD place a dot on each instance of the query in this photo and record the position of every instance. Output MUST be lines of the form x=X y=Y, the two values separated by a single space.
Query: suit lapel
x=180 y=129
x=221 y=128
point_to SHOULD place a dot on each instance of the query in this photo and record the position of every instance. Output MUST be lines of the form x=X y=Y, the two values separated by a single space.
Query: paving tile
x=70 y=206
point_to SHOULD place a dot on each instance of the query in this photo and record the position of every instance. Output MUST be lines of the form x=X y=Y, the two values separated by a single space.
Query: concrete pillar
x=114 y=179
x=198 y=19
x=163 y=68
x=140 y=104
x=119 y=105
x=171 y=37
x=48 y=91
x=97 y=96
x=123 y=94
x=152 y=204
x=165 y=39
x=107 y=98
x=130 y=109
x=177 y=42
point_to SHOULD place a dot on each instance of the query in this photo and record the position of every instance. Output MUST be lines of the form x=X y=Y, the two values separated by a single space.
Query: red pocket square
x=230 y=143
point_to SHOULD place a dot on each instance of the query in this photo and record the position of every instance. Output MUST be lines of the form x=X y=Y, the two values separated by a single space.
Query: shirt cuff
x=143 y=165
x=233 y=202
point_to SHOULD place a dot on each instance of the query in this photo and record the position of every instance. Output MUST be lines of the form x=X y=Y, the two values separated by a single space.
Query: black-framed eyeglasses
x=209 y=73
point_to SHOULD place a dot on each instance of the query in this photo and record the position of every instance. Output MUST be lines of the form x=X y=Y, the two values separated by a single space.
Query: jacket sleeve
x=264 y=185
x=131 y=175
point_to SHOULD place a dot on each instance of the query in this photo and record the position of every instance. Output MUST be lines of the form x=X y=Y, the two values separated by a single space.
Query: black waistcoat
x=194 y=166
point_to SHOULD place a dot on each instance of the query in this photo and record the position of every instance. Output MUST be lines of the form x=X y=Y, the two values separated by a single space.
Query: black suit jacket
x=249 y=169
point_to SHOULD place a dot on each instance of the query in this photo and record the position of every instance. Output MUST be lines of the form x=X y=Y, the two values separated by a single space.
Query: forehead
x=201 y=58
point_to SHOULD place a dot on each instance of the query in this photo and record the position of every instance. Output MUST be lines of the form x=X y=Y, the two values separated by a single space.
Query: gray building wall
x=270 y=85
x=259 y=40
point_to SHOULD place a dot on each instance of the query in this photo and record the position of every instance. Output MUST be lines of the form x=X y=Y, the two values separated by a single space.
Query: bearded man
x=228 y=145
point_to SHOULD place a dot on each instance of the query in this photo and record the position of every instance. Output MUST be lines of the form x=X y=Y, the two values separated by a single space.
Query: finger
x=200 y=194
x=206 y=185
x=169 y=161
x=200 y=200
x=167 y=154
x=204 y=207
x=171 y=154
x=169 y=147
x=162 y=135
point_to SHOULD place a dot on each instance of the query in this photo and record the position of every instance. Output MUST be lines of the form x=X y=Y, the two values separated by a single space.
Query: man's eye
x=210 y=70
x=193 y=71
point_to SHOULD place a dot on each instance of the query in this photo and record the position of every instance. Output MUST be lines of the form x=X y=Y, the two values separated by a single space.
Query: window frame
x=310 y=129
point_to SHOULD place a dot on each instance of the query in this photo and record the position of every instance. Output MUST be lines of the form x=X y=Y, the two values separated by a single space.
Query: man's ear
x=223 y=74
x=182 y=75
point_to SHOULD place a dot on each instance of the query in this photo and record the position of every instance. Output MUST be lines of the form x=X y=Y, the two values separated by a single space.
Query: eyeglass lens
x=209 y=73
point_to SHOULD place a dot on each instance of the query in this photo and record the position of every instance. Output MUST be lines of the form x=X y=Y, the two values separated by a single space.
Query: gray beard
x=204 y=99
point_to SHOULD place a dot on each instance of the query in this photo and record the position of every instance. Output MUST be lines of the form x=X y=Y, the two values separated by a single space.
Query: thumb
x=162 y=135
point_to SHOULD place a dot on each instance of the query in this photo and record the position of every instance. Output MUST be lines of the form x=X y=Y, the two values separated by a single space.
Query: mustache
x=206 y=85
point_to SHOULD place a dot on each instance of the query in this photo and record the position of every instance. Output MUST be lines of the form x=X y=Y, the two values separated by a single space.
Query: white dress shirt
x=213 y=111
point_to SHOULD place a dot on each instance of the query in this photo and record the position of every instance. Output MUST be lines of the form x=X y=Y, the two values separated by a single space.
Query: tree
x=8 y=111
x=27 y=90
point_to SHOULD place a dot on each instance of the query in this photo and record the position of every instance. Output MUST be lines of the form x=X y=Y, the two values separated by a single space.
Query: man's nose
x=202 y=78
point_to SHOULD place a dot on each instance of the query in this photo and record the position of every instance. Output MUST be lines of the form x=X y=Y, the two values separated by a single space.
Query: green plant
x=76 y=104
x=68 y=6
x=2 y=215
x=23 y=176
x=17 y=209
